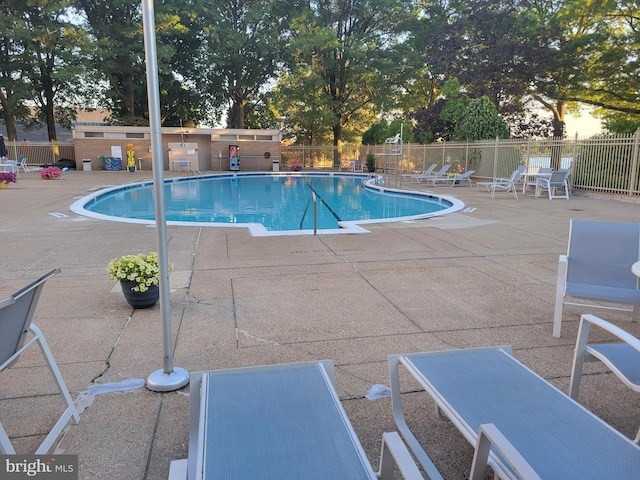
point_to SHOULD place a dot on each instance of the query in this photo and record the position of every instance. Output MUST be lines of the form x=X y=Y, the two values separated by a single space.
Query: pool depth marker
x=170 y=378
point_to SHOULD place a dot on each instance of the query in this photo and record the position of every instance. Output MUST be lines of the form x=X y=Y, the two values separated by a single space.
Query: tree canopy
x=325 y=71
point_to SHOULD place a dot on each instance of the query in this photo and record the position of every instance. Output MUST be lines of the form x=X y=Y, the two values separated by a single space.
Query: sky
x=585 y=125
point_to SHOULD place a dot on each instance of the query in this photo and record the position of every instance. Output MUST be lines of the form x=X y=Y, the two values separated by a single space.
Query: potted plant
x=139 y=276
x=6 y=178
x=50 y=173
x=296 y=167
x=371 y=162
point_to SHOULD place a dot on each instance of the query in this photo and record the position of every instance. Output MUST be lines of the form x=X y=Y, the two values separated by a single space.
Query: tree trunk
x=558 y=134
x=8 y=117
x=337 y=143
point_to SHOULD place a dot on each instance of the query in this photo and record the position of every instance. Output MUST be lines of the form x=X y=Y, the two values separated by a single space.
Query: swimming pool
x=268 y=204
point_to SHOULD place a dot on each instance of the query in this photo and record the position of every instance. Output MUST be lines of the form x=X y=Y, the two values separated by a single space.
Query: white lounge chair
x=622 y=358
x=597 y=267
x=504 y=184
x=417 y=177
x=457 y=180
x=16 y=313
x=557 y=180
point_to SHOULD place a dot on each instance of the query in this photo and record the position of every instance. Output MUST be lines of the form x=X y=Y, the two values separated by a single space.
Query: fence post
x=634 y=162
x=466 y=156
x=495 y=158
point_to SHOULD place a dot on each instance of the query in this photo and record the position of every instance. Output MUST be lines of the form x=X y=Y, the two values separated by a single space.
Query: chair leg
x=5 y=444
x=635 y=316
x=578 y=359
x=560 y=285
x=71 y=411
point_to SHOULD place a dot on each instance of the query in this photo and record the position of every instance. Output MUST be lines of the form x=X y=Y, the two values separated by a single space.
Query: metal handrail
x=315 y=212
x=314 y=195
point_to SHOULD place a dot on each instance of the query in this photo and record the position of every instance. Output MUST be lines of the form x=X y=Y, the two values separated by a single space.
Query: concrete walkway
x=476 y=278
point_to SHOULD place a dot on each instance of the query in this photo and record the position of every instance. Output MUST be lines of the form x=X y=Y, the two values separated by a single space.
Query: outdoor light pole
x=170 y=378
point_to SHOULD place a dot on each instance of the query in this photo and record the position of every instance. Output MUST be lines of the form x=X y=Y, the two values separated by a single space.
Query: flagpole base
x=159 y=381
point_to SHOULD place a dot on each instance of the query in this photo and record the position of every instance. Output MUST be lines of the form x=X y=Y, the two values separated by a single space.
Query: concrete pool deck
x=474 y=278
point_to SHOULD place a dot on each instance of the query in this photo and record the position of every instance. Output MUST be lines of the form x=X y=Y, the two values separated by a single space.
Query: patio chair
x=22 y=163
x=504 y=184
x=9 y=166
x=416 y=177
x=473 y=387
x=278 y=422
x=457 y=180
x=529 y=177
x=16 y=314
x=597 y=267
x=356 y=166
x=558 y=179
x=622 y=358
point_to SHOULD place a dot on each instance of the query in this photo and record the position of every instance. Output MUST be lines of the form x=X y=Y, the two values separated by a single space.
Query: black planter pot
x=140 y=299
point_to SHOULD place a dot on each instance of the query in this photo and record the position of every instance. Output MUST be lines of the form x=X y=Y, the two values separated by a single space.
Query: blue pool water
x=265 y=202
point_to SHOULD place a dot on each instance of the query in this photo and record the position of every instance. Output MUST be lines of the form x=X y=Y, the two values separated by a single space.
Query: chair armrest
x=395 y=453
x=489 y=435
x=613 y=329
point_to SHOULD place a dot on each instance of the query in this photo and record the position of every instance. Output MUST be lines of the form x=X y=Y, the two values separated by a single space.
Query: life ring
x=267 y=155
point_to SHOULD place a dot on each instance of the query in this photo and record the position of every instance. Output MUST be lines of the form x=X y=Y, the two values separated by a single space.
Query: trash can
x=86 y=164
x=276 y=166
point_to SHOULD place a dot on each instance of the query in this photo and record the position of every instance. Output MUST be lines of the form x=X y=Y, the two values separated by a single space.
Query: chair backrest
x=545 y=170
x=515 y=176
x=16 y=313
x=466 y=174
x=430 y=169
x=601 y=253
x=558 y=177
x=443 y=169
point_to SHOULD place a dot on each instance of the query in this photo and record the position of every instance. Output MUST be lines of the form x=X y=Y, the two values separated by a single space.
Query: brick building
x=203 y=149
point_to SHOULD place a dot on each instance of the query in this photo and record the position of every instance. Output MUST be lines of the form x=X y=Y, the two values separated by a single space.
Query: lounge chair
x=597 y=267
x=504 y=184
x=557 y=180
x=457 y=180
x=16 y=313
x=552 y=433
x=622 y=358
x=417 y=177
x=278 y=422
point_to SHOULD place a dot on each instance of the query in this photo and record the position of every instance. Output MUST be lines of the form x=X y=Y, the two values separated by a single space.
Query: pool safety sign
x=38 y=467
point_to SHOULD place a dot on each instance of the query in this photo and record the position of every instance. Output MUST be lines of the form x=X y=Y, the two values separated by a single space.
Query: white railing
x=606 y=163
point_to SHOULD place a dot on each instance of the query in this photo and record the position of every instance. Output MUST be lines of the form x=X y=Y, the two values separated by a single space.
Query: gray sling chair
x=16 y=313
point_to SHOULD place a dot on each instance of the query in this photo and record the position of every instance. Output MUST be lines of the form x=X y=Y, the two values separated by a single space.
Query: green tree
x=240 y=53
x=481 y=121
x=118 y=60
x=13 y=87
x=346 y=50
x=46 y=65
